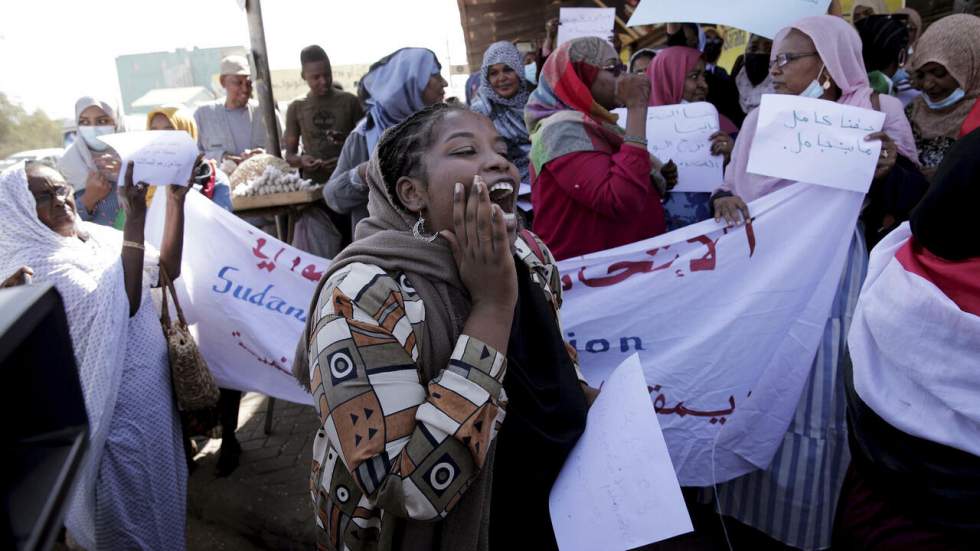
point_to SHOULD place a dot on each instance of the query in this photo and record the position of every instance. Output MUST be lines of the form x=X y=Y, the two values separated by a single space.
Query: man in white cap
x=232 y=128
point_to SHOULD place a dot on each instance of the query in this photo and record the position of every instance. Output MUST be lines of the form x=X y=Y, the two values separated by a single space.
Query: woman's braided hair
x=402 y=147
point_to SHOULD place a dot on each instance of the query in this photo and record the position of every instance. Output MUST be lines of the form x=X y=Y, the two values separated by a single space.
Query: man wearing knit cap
x=232 y=128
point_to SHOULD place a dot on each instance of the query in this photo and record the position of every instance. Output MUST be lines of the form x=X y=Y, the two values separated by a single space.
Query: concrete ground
x=265 y=503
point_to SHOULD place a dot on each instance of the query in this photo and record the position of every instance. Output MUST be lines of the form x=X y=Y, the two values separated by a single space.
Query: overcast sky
x=54 y=51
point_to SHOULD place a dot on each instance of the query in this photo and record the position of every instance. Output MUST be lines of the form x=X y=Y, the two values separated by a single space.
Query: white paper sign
x=160 y=157
x=579 y=22
x=815 y=141
x=682 y=133
x=617 y=489
x=726 y=322
x=245 y=295
x=761 y=17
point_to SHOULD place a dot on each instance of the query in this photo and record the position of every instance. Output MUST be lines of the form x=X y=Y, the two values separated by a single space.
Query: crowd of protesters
x=440 y=309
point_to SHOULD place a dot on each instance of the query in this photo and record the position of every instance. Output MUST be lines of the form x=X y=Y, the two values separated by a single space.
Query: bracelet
x=134 y=245
x=635 y=139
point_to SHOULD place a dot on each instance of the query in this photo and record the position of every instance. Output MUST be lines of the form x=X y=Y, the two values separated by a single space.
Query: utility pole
x=263 y=78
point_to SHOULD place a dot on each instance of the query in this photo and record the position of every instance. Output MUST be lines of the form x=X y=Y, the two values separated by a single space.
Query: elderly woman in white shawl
x=90 y=166
x=131 y=492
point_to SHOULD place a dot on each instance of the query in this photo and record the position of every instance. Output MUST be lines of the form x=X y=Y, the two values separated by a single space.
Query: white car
x=52 y=155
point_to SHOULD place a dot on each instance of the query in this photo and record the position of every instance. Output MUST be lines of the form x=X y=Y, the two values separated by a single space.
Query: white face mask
x=531 y=73
x=815 y=89
x=91 y=136
x=950 y=100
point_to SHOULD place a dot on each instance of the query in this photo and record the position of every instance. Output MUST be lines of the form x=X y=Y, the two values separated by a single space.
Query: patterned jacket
x=391 y=443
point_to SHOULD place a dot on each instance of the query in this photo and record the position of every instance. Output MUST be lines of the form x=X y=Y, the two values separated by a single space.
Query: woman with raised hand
x=435 y=356
x=131 y=488
x=90 y=167
x=594 y=186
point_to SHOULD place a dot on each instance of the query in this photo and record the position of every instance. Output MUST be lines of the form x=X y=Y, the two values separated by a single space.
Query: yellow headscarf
x=180 y=120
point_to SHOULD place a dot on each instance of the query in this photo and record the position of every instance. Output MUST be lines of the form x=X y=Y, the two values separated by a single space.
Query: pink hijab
x=839 y=47
x=667 y=73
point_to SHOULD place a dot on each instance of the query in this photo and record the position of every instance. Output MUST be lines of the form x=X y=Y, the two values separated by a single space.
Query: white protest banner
x=160 y=157
x=762 y=17
x=617 y=489
x=245 y=295
x=815 y=141
x=682 y=133
x=726 y=323
x=579 y=22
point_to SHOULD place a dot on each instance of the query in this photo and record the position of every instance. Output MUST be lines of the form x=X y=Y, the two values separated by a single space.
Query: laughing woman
x=436 y=358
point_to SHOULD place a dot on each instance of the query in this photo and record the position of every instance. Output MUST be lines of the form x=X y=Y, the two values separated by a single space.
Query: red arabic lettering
x=750 y=235
x=262 y=359
x=296 y=262
x=626 y=269
x=679 y=409
x=706 y=262
x=312 y=274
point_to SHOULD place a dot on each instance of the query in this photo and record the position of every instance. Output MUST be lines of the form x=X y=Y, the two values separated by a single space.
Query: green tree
x=20 y=130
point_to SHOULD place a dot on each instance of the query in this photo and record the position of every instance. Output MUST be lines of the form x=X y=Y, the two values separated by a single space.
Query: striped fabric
x=794 y=500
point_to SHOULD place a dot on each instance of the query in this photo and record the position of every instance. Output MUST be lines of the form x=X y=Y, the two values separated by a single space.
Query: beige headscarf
x=951 y=42
x=385 y=239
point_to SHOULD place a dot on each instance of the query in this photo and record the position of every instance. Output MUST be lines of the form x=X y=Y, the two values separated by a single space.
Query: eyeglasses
x=782 y=60
x=616 y=69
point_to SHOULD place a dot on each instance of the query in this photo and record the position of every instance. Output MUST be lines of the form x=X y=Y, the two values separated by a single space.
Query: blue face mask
x=815 y=89
x=950 y=100
x=91 y=136
x=901 y=75
x=531 y=73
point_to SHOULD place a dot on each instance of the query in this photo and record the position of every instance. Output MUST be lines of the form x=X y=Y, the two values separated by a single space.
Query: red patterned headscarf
x=561 y=114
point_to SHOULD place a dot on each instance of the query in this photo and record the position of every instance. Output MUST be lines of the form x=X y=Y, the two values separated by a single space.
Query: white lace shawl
x=89 y=277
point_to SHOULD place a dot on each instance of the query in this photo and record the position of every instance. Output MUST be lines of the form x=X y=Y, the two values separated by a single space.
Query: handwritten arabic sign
x=617 y=489
x=245 y=294
x=682 y=133
x=815 y=141
x=579 y=22
x=762 y=17
x=160 y=157
x=726 y=323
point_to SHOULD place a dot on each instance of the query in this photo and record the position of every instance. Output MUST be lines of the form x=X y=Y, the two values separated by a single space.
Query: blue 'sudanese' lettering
x=261 y=299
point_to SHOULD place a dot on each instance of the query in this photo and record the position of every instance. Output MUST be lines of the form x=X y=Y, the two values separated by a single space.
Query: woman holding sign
x=594 y=186
x=677 y=76
x=448 y=398
x=818 y=57
x=90 y=166
x=131 y=489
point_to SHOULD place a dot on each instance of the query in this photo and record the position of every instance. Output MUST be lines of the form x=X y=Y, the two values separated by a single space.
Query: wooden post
x=263 y=78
